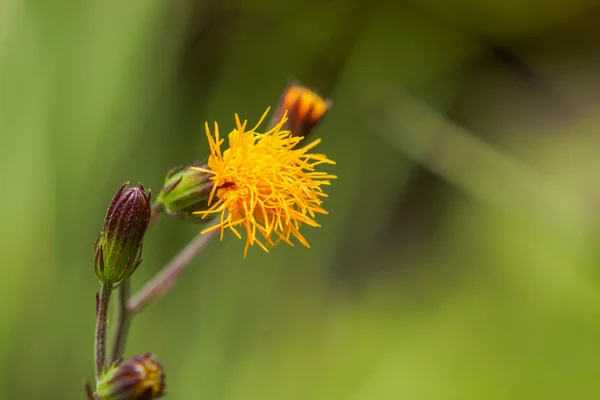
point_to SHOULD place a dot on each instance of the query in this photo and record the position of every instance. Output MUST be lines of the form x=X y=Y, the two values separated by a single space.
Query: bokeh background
x=460 y=257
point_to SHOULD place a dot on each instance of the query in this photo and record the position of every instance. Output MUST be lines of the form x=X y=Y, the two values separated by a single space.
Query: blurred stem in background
x=459 y=156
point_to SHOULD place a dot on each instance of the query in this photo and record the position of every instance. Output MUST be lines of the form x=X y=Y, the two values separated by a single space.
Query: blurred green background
x=460 y=257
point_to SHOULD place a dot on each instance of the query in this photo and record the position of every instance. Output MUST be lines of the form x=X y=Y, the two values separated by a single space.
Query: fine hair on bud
x=118 y=250
x=185 y=190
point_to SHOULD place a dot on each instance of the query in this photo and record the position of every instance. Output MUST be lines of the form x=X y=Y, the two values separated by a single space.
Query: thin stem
x=89 y=393
x=123 y=319
x=157 y=210
x=101 y=324
x=167 y=277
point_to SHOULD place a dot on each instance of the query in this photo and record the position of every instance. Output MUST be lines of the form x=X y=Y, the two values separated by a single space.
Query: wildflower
x=139 y=378
x=305 y=109
x=119 y=247
x=265 y=184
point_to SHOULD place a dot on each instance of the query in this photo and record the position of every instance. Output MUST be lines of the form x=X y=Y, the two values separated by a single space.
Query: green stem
x=167 y=277
x=157 y=210
x=123 y=319
x=101 y=325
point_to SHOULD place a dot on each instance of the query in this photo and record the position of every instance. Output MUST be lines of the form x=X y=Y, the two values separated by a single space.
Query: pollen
x=265 y=185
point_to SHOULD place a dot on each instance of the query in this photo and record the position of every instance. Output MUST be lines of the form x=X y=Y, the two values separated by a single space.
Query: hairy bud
x=119 y=247
x=185 y=190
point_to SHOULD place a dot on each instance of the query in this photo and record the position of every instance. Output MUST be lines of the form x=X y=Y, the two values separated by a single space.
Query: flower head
x=139 y=378
x=264 y=184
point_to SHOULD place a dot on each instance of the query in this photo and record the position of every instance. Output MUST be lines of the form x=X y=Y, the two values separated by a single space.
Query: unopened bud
x=119 y=247
x=139 y=378
x=305 y=108
x=186 y=190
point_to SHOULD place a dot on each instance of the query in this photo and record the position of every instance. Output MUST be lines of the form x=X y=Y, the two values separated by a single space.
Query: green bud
x=185 y=191
x=139 y=378
x=118 y=249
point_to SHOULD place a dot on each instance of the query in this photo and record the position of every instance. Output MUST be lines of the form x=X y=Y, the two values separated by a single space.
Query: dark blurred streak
x=415 y=218
x=202 y=53
x=509 y=59
x=506 y=56
x=554 y=106
x=420 y=207
x=208 y=38
x=327 y=66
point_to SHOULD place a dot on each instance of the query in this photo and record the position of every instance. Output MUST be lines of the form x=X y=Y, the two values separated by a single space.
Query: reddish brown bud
x=119 y=247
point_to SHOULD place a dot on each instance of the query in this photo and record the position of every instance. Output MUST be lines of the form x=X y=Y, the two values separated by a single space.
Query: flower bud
x=139 y=378
x=119 y=246
x=185 y=190
x=305 y=108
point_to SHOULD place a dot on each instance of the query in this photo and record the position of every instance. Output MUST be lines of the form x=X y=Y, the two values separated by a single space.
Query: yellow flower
x=265 y=184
